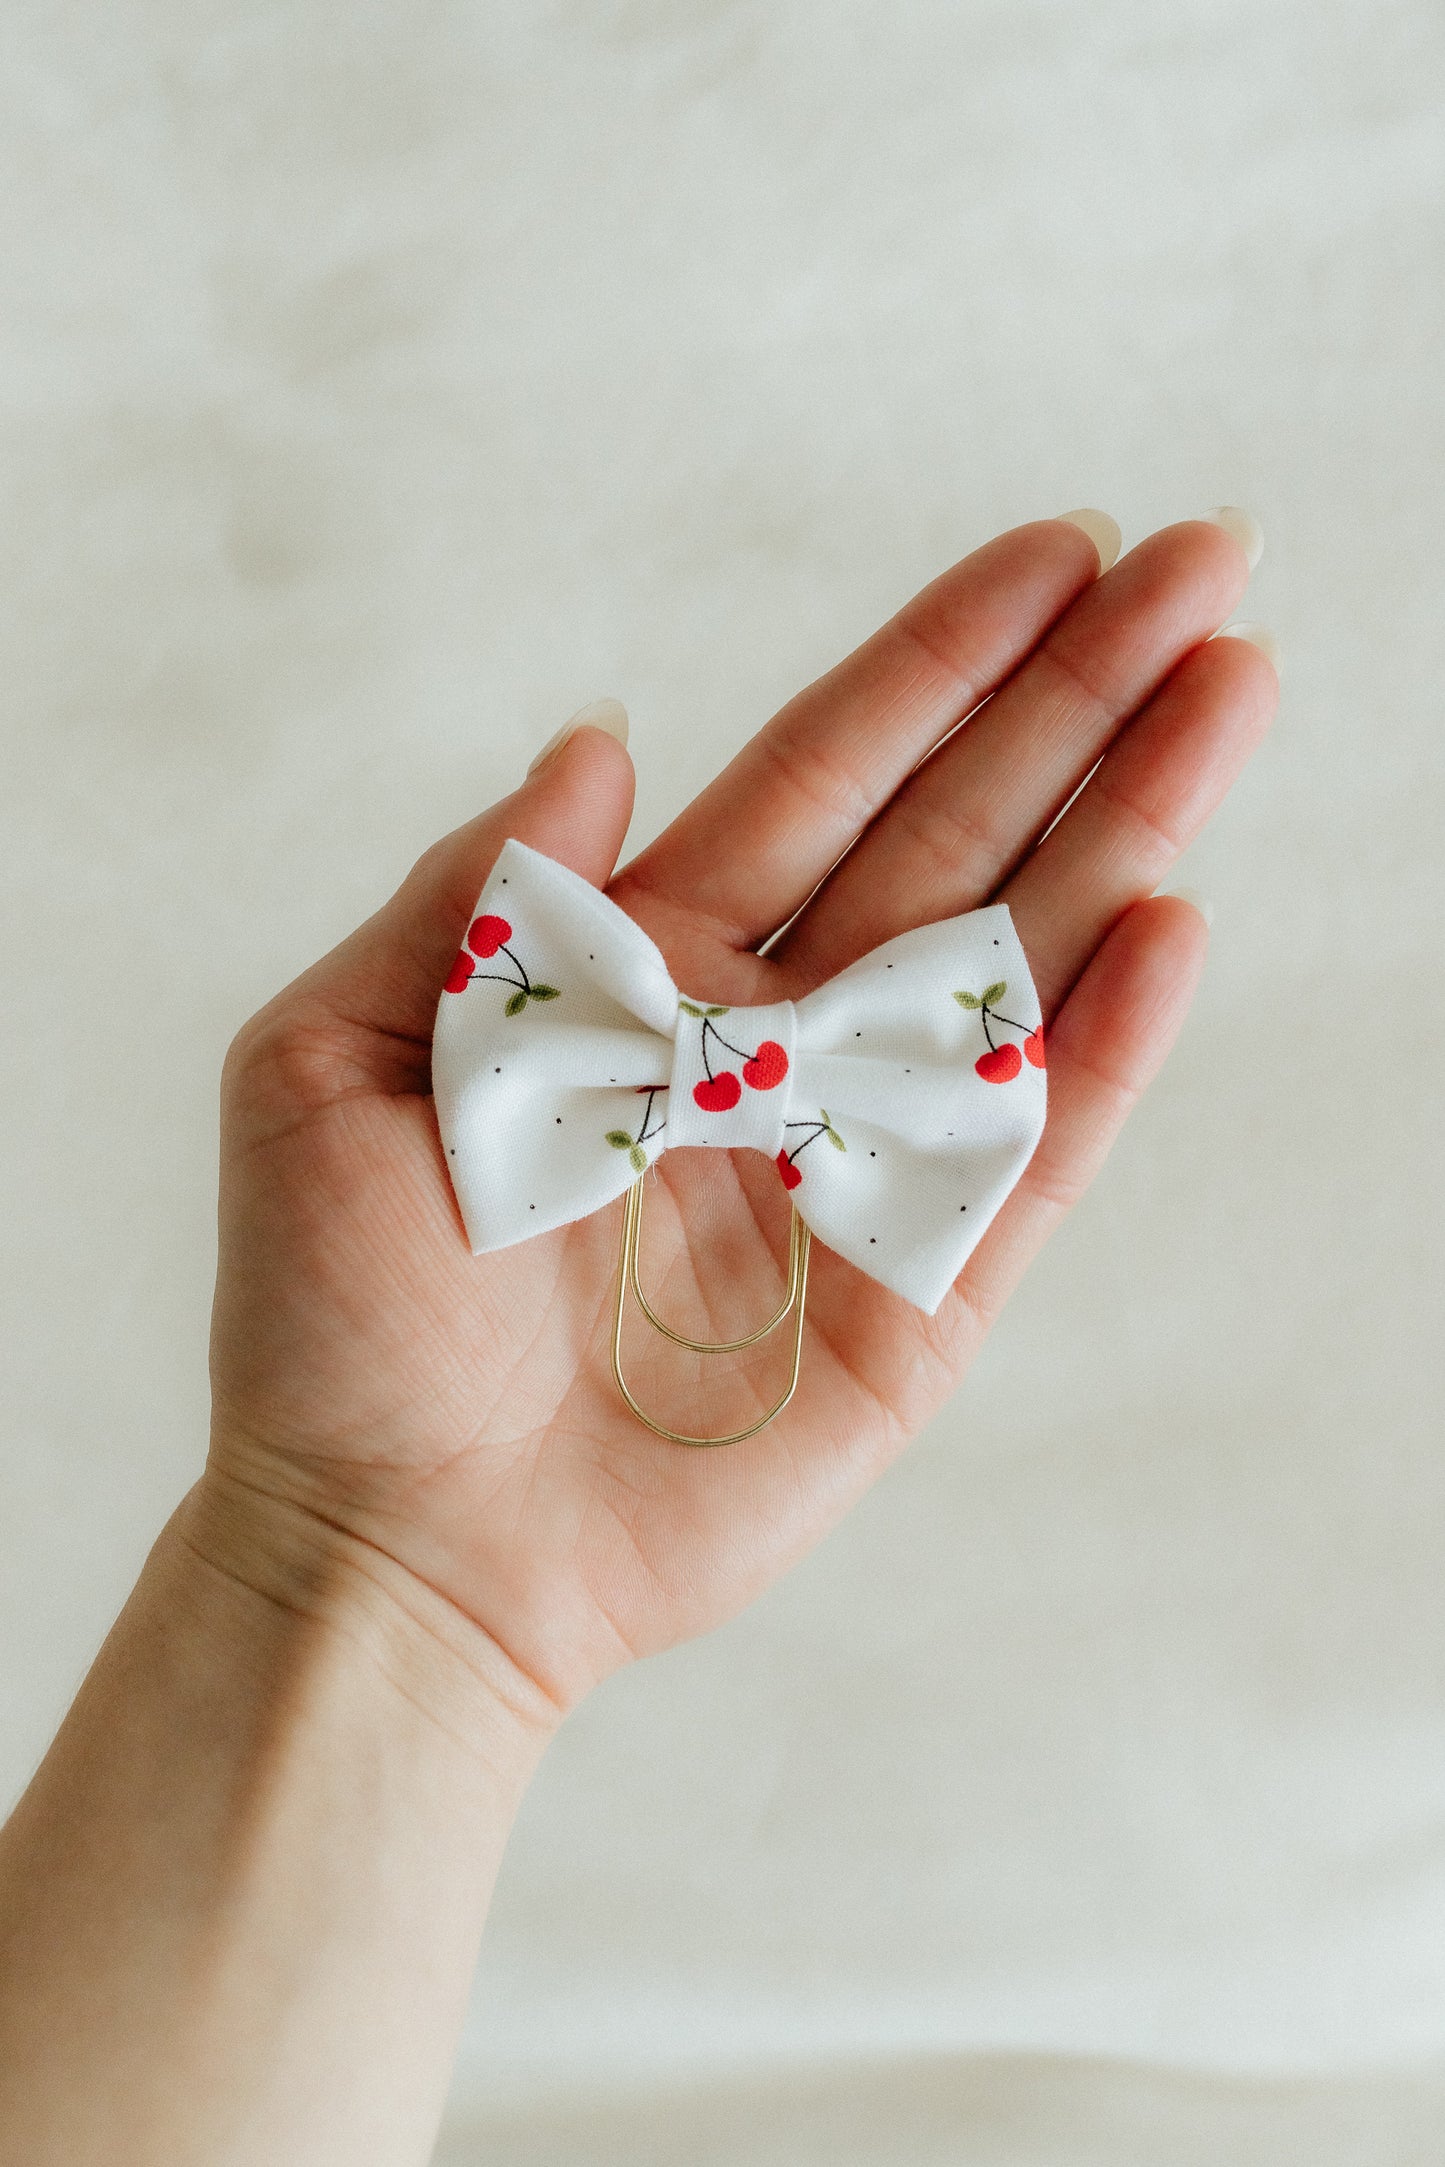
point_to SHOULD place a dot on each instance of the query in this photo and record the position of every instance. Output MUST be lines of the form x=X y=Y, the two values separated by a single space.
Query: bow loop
x=900 y=1102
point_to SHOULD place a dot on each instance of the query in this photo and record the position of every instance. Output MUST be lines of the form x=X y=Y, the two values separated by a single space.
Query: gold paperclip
x=794 y=1298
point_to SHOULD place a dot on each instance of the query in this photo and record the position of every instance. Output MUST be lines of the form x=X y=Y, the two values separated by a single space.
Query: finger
x=756 y=842
x=1109 y=1041
x=970 y=813
x=1147 y=800
x=369 y=1006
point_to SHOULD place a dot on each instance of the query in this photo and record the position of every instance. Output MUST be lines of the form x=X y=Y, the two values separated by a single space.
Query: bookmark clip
x=794 y=1301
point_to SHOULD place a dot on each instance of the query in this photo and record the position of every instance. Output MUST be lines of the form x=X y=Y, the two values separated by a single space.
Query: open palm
x=456 y=1414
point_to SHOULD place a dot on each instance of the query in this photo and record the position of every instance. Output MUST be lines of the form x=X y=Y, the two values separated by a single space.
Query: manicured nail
x=608 y=715
x=1198 y=901
x=1258 y=636
x=1102 y=531
x=1243 y=525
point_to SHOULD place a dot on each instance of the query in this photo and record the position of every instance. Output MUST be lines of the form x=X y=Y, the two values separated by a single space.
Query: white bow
x=901 y=1101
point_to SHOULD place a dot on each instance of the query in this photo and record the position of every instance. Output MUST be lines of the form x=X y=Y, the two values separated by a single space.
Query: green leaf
x=639 y=1158
x=968 y=1000
x=619 y=1139
x=995 y=992
x=714 y=1011
x=689 y=1009
x=516 y=1004
x=542 y=993
x=834 y=1138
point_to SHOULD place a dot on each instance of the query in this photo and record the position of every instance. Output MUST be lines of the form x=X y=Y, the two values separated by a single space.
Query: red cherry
x=999 y=1066
x=791 y=1174
x=1034 y=1048
x=717 y=1093
x=460 y=972
x=767 y=1068
x=486 y=935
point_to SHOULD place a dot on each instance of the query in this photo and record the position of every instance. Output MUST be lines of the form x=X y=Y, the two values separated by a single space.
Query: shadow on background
x=1002 y=2110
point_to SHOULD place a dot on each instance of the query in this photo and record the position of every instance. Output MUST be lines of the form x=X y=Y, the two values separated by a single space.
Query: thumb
x=375 y=995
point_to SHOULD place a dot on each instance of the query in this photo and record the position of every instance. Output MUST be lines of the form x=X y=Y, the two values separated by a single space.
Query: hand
x=454 y=1417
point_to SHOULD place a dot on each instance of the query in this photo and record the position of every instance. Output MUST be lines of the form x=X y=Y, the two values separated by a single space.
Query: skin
x=259 y=1855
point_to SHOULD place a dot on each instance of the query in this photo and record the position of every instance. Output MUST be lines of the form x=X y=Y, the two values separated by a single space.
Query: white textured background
x=377 y=383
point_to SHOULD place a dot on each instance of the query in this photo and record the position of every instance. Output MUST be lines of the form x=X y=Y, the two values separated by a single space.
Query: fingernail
x=1243 y=525
x=1102 y=531
x=608 y=715
x=1258 y=636
x=1196 y=900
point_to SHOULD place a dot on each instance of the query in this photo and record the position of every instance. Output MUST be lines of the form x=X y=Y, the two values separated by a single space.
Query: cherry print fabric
x=730 y=1073
x=900 y=1102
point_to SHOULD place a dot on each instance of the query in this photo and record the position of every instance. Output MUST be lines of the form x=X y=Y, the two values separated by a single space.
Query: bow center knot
x=732 y=1076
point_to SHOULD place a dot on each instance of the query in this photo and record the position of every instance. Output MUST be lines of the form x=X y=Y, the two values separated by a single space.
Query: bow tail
x=552 y=1133
x=910 y=1170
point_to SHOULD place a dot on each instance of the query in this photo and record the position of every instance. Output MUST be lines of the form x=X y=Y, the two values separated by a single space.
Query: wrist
x=242 y=1898
x=326 y=1582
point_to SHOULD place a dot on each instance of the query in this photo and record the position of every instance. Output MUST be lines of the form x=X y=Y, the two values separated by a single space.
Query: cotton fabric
x=900 y=1101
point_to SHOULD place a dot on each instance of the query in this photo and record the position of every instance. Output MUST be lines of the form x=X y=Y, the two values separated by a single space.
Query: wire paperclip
x=794 y=1301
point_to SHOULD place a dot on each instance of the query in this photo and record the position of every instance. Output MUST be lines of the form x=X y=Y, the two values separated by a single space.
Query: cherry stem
x=819 y=1128
x=1028 y=1028
x=496 y=978
x=742 y=1054
x=644 y=1132
x=525 y=983
x=709 y=1026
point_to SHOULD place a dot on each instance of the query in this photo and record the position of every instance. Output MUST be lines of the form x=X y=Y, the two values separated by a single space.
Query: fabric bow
x=900 y=1102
